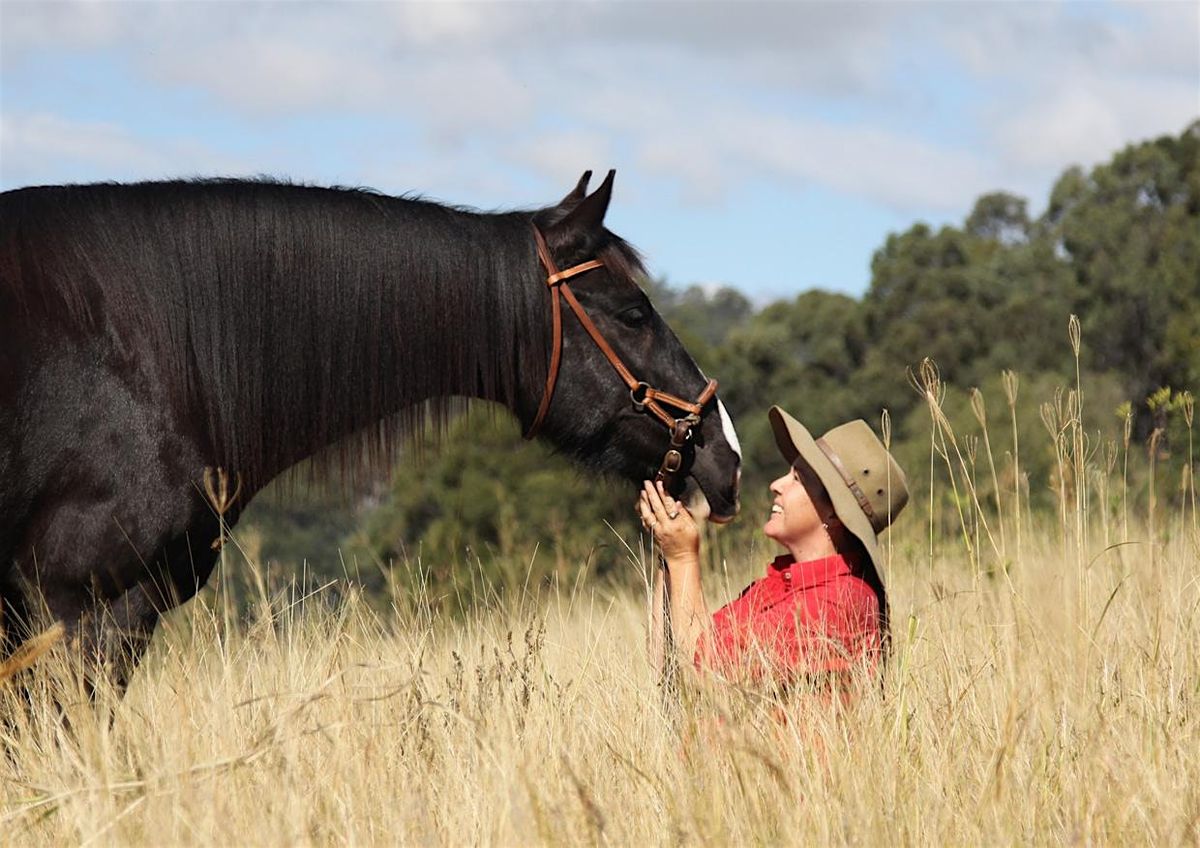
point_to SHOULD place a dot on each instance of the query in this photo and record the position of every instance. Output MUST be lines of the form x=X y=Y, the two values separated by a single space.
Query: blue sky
x=769 y=146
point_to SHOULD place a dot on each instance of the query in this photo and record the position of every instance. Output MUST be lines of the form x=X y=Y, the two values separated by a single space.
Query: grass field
x=1043 y=688
x=1015 y=709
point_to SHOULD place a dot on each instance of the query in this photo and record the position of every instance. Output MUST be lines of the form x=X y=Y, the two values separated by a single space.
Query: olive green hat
x=868 y=489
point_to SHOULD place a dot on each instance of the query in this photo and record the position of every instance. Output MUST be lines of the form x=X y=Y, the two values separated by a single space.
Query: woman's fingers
x=675 y=530
x=662 y=506
x=669 y=503
x=651 y=493
x=646 y=512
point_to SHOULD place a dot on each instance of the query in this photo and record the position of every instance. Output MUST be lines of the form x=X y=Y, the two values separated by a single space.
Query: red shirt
x=801 y=618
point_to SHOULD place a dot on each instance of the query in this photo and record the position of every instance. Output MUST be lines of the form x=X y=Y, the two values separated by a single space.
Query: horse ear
x=578 y=193
x=589 y=214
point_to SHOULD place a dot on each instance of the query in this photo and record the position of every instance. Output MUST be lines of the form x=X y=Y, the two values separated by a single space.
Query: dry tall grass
x=1049 y=701
x=1005 y=718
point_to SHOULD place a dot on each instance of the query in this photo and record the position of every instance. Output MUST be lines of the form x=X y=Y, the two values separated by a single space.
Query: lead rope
x=668 y=674
x=672 y=461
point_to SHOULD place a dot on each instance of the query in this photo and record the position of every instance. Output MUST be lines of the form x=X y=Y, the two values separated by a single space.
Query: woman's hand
x=678 y=586
x=671 y=522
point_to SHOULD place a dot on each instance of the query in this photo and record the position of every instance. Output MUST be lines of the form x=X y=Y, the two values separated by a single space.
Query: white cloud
x=705 y=155
x=1166 y=41
x=37 y=143
x=706 y=96
x=433 y=24
x=1070 y=90
x=41 y=147
x=323 y=64
x=465 y=97
x=271 y=76
x=697 y=164
x=560 y=157
x=1029 y=41
x=30 y=26
x=1085 y=120
x=863 y=161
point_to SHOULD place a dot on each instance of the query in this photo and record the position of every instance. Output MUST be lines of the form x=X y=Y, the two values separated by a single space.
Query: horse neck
x=369 y=318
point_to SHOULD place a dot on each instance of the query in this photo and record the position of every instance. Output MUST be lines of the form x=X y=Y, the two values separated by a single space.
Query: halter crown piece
x=644 y=396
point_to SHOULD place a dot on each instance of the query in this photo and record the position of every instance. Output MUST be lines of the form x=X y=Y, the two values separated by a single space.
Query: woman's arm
x=679 y=540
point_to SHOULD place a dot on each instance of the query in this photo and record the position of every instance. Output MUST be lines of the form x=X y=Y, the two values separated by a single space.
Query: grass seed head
x=1074 y=333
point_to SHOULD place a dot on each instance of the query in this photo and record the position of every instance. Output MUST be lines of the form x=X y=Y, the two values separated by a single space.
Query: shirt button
x=787 y=575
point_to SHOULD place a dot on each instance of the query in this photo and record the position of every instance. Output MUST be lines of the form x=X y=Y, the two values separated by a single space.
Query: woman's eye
x=634 y=315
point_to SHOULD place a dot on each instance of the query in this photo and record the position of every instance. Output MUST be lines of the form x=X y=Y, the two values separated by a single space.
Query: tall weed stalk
x=1012 y=385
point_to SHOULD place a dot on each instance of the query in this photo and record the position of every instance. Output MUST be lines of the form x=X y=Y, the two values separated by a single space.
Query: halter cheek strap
x=556 y=281
x=644 y=396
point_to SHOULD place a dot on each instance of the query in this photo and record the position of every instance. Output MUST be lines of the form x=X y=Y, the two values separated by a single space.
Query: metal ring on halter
x=639 y=403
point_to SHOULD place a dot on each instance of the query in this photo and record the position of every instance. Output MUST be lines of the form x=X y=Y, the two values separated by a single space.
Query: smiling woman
x=820 y=611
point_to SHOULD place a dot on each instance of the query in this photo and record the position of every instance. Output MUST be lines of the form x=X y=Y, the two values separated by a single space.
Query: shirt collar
x=814 y=572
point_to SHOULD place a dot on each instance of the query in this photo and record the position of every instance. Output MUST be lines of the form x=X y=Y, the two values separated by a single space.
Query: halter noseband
x=644 y=396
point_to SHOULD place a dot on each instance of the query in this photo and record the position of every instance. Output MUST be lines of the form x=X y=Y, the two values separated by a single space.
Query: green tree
x=484 y=499
x=1000 y=217
x=701 y=318
x=802 y=355
x=930 y=296
x=1130 y=230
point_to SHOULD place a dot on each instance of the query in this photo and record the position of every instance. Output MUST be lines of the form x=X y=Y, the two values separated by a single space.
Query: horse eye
x=634 y=316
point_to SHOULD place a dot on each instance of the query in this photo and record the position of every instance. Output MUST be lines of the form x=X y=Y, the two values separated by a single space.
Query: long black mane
x=287 y=317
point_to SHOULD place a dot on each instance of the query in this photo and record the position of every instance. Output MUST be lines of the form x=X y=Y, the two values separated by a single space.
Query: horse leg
x=112 y=636
x=122 y=631
x=119 y=475
x=110 y=628
x=108 y=639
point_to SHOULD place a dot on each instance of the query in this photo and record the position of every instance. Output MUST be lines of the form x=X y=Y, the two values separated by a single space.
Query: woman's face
x=794 y=514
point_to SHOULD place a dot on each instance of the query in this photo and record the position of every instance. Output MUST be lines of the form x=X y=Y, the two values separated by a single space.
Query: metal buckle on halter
x=681 y=433
x=638 y=395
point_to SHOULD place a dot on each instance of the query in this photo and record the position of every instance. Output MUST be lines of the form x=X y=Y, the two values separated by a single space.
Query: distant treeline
x=1118 y=246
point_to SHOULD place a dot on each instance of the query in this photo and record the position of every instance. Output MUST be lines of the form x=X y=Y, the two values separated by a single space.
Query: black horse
x=157 y=336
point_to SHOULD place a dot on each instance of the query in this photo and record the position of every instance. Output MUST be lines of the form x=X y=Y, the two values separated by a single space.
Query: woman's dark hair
x=849 y=546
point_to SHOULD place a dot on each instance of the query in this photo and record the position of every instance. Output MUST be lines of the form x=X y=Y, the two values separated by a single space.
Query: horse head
x=597 y=411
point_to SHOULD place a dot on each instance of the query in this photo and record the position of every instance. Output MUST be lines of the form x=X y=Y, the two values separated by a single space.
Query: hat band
x=855 y=489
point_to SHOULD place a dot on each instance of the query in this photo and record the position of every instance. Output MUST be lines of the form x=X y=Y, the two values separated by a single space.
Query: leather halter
x=644 y=396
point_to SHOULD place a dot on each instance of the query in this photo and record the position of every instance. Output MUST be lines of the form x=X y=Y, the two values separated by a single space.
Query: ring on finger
x=673 y=515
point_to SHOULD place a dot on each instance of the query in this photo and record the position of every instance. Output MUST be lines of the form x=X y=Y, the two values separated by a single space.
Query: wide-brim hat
x=866 y=486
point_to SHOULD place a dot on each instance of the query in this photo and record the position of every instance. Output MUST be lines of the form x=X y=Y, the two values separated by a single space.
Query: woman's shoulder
x=847 y=593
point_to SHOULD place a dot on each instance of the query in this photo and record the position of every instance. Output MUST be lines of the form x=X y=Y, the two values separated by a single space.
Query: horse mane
x=287 y=317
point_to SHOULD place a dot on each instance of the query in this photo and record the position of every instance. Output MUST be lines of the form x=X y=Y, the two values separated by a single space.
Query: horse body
x=151 y=332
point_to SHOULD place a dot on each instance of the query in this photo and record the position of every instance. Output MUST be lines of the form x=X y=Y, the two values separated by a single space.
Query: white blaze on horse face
x=727 y=429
